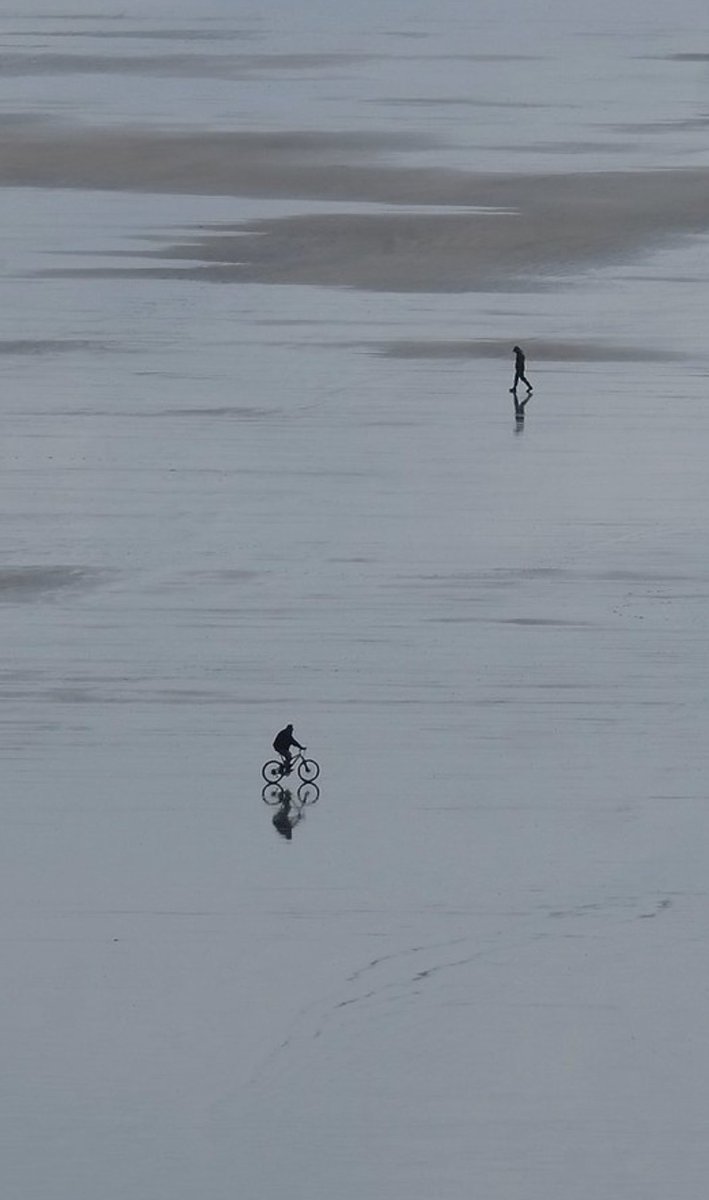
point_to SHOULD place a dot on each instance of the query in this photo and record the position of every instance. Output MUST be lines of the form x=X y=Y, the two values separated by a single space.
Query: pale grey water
x=479 y=967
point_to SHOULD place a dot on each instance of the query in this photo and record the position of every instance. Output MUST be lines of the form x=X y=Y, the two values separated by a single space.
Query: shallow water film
x=263 y=271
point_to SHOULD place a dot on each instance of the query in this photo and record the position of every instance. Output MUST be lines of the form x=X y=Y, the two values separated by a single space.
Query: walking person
x=520 y=363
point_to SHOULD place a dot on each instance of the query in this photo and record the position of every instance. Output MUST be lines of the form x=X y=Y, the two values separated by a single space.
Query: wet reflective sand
x=261 y=282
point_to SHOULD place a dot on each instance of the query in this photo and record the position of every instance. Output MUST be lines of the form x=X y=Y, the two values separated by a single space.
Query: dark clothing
x=283 y=742
x=520 y=364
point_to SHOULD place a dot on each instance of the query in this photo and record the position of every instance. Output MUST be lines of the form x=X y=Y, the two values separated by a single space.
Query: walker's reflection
x=520 y=406
x=289 y=809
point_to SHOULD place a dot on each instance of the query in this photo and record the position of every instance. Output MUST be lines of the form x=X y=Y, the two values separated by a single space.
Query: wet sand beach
x=262 y=273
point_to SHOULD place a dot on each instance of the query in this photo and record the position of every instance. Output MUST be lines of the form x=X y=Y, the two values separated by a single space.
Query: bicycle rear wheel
x=272 y=794
x=308 y=793
x=308 y=769
x=272 y=771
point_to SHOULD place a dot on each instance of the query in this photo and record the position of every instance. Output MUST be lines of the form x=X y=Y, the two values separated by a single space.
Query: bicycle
x=275 y=770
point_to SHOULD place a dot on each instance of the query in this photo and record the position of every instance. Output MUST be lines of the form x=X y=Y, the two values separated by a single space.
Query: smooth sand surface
x=477 y=969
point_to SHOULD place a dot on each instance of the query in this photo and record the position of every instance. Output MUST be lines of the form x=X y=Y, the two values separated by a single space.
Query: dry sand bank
x=287 y=163
x=537 y=224
x=540 y=351
x=560 y=225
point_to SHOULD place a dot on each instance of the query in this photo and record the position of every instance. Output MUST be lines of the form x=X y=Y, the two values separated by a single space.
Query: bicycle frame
x=295 y=759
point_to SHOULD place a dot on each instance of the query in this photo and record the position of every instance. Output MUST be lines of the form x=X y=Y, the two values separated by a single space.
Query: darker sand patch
x=561 y=224
x=233 y=412
x=539 y=351
x=473 y=58
x=534 y=226
x=451 y=102
x=36 y=346
x=567 y=149
x=188 y=65
x=685 y=125
x=40 y=583
x=294 y=163
x=189 y=34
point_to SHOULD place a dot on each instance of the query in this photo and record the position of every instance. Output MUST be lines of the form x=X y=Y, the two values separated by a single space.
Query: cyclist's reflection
x=290 y=808
x=287 y=817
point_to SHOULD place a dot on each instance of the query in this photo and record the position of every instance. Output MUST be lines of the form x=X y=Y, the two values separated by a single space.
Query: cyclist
x=282 y=743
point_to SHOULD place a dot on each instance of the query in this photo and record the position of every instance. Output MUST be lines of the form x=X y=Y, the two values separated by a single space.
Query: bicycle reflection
x=290 y=809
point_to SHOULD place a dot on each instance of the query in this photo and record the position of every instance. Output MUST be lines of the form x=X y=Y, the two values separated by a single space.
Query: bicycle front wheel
x=272 y=771
x=308 y=769
x=272 y=794
x=308 y=793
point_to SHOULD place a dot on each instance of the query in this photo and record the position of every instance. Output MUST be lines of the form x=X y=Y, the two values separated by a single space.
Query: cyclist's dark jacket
x=283 y=742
